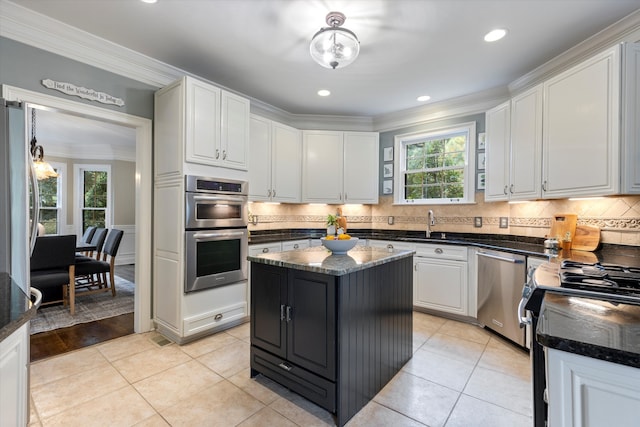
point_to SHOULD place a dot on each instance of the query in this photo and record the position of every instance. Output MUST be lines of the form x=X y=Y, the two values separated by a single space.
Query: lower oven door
x=215 y=258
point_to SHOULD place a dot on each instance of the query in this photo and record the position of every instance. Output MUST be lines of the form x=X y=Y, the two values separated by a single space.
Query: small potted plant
x=332 y=222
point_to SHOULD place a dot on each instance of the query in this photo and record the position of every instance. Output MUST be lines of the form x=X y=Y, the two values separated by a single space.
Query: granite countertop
x=591 y=328
x=528 y=246
x=318 y=259
x=15 y=306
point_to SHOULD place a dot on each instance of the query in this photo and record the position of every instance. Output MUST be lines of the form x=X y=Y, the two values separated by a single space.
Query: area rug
x=89 y=308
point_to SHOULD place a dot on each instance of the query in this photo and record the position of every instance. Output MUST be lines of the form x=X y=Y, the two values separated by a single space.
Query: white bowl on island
x=339 y=247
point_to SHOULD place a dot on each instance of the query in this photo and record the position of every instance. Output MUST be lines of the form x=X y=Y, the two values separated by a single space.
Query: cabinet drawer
x=295 y=244
x=442 y=251
x=315 y=388
x=255 y=250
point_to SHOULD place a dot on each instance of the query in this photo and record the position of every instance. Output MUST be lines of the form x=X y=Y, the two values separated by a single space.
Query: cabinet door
x=361 y=165
x=14 y=379
x=631 y=120
x=526 y=145
x=203 y=122
x=322 y=167
x=312 y=328
x=260 y=159
x=234 y=131
x=441 y=285
x=581 y=122
x=498 y=123
x=268 y=308
x=286 y=172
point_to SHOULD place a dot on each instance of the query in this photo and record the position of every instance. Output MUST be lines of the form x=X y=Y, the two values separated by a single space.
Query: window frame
x=61 y=169
x=78 y=208
x=400 y=144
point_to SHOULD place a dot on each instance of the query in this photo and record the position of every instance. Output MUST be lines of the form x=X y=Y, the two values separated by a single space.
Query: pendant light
x=333 y=46
x=43 y=169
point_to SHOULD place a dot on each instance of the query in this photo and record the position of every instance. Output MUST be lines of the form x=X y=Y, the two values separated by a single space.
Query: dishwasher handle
x=501 y=258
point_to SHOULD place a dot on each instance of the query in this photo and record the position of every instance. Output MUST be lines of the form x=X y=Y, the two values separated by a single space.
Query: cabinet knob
x=439 y=251
x=217 y=153
x=265 y=250
x=296 y=246
x=218 y=316
x=511 y=189
x=389 y=246
x=505 y=189
x=224 y=154
x=544 y=185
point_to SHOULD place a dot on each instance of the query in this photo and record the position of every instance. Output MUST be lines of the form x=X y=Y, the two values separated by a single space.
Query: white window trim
x=78 y=170
x=62 y=187
x=470 y=163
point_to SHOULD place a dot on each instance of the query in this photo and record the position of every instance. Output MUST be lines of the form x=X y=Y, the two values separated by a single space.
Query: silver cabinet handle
x=218 y=316
x=511 y=188
x=224 y=154
x=269 y=193
x=544 y=185
x=285 y=366
x=281 y=312
x=296 y=246
x=217 y=153
x=265 y=250
x=274 y=193
x=288 y=313
x=389 y=246
x=505 y=189
x=439 y=251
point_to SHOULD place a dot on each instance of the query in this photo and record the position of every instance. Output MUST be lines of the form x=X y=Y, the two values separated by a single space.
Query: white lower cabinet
x=14 y=354
x=590 y=392
x=441 y=278
x=295 y=244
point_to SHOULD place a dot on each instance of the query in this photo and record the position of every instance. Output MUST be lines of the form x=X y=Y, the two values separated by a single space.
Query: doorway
x=143 y=185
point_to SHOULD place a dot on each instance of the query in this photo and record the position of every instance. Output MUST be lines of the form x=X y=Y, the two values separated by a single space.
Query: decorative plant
x=332 y=220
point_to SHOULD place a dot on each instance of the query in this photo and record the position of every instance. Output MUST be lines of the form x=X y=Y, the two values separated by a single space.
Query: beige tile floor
x=460 y=375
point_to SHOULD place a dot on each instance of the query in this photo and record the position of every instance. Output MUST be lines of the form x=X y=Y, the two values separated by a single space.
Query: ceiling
x=260 y=48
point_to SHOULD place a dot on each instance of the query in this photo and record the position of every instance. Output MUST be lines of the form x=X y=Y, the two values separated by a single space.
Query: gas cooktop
x=614 y=282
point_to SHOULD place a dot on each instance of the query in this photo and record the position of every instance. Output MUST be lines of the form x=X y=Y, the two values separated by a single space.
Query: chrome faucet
x=431 y=220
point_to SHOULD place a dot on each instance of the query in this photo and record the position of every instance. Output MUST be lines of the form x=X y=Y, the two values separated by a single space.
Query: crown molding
x=474 y=103
x=625 y=30
x=91 y=152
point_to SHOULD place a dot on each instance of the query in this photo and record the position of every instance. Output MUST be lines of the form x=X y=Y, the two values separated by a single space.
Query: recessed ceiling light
x=423 y=98
x=324 y=92
x=495 y=35
x=149 y=1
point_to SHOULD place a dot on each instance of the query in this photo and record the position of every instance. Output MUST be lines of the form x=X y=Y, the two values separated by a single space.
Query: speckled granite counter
x=320 y=260
x=15 y=306
x=592 y=328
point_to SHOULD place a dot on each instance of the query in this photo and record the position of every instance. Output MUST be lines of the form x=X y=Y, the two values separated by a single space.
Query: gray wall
x=387 y=138
x=122 y=188
x=25 y=67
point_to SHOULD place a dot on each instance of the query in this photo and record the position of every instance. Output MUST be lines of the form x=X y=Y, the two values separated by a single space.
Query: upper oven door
x=215 y=211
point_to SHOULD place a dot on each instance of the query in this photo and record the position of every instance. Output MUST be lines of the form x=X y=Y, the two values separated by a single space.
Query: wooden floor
x=52 y=343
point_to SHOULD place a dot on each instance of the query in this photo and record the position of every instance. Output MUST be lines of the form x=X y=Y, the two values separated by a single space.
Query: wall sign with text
x=83 y=92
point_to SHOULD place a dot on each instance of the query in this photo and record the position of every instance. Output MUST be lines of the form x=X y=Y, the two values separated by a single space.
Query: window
x=94 y=204
x=435 y=167
x=50 y=190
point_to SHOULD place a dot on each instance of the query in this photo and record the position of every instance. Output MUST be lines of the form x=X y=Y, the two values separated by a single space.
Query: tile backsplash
x=617 y=217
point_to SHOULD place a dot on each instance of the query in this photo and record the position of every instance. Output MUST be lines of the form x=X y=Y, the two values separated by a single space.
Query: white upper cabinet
x=514 y=148
x=274 y=161
x=581 y=136
x=526 y=145
x=340 y=167
x=209 y=124
x=631 y=119
x=497 y=129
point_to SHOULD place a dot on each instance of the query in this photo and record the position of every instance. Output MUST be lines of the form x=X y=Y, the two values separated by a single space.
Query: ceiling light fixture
x=324 y=92
x=423 y=98
x=43 y=169
x=149 y=1
x=495 y=35
x=334 y=47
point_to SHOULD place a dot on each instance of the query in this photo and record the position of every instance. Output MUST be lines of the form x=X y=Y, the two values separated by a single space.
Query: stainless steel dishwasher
x=501 y=276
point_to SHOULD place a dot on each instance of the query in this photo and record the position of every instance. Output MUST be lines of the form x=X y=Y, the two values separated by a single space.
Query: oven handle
x=220 y=198
x=225 y=234
x=523 y=318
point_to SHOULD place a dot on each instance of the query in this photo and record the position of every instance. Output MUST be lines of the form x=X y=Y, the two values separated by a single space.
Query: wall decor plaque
x=83 y=92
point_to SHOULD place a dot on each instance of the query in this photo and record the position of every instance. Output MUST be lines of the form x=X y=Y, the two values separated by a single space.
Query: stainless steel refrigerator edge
x=501 y=276
x=15 y=181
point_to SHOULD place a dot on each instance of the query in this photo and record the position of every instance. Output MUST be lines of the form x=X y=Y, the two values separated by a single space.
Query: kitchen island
x=333 y=328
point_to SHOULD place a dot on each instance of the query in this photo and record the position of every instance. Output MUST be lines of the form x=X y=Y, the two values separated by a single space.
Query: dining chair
x=88 y=234
x=52 y=268
x=97 y=240
x=91 y=276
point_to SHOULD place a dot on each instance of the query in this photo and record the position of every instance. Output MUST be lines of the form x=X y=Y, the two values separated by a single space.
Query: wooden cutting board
x=586 y=238
x=561 y=224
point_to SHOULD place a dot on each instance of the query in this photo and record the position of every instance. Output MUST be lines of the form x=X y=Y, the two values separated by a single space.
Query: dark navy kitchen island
x=333 y=328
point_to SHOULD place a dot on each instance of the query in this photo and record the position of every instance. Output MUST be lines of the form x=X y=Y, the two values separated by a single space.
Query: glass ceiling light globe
x=334 y=47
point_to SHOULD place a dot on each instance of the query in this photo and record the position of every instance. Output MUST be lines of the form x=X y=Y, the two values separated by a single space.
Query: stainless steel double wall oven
x=216 y=237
